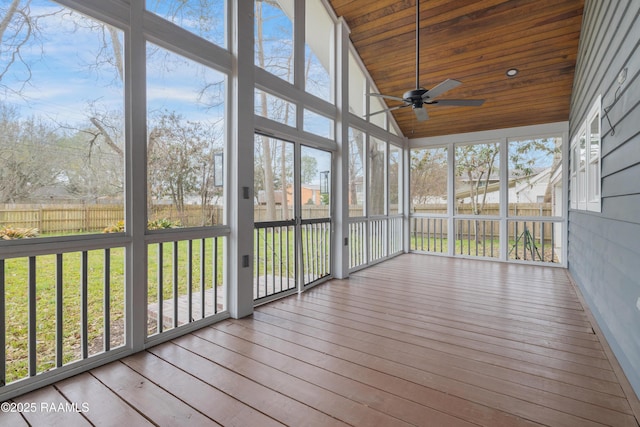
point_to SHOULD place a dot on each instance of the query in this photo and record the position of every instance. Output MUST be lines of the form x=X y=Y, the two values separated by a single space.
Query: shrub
x=162 y=223
x=118 y=227
x=7 y=233
x=156 y=224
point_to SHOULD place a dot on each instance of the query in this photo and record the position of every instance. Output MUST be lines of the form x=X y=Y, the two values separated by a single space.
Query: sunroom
x=181 y=176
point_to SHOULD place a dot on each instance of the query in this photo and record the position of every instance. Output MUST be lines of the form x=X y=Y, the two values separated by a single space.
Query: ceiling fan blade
x=386 y=110
x=379 y=95
x=421 y=114
x=441 y=88
x=460 y=102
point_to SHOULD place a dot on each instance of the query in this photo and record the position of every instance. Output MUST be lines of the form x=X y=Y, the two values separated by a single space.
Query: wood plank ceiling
x=475 y=42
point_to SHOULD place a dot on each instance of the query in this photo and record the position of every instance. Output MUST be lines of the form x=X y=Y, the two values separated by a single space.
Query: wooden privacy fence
x=62 y=219
x=56 y=219
x=492 y=209
x=540 y=229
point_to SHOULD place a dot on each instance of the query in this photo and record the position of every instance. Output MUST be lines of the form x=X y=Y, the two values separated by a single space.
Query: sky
x=65 y=71
x=58 y=88
x=66 y=78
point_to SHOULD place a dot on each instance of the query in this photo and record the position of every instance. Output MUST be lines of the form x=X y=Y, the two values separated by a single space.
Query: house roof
x=474 y=42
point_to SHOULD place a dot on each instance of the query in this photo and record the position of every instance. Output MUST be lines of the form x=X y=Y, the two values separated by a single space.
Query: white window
x=357 y=87
x=186 y=131
x=585 y=163
x=274 y=37
x=62 y=122
x=395 y=180
x=318 y=64
x=593 y=153
x=206 y=19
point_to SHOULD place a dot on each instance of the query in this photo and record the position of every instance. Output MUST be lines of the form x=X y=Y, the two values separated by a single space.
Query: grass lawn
x=274 y=250
x=484 y=248
x=17 y=307
x=462 y=247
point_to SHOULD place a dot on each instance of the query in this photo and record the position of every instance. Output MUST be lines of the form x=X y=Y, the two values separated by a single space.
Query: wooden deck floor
x=413 y=341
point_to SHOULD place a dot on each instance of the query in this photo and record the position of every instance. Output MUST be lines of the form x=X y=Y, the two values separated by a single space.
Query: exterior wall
x=604 y=247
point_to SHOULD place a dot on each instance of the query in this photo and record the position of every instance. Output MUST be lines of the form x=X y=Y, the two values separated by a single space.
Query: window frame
x=583 y=196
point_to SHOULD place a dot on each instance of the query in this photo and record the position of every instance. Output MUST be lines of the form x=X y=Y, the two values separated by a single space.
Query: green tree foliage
x=477 y=164
x=308 y=169
x=528 y=156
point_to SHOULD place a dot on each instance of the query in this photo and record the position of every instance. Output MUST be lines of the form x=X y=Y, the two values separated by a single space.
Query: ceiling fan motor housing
x=414 y=95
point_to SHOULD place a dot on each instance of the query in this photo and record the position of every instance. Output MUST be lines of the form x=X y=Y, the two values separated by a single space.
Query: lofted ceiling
x=475 y=42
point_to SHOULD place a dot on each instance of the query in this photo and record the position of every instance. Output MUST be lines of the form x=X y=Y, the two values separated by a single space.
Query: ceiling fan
x=418 y=97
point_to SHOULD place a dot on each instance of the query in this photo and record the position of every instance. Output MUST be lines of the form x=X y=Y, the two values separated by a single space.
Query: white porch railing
x=374 y=239
x=429 y=234
x=274 y=247
x=276 y=269
x=526 y=239
x=59 y=308
x=477 y=237
x=316 y=249
x=185 y=282
x=535 y=240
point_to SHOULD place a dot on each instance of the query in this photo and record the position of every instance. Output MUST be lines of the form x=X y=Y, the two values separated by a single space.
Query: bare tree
x=266 y=59
x=28 y=154
x=181 y=161
x=18 y=27
x=428 y=175
x=356 y=167
x=377 y=190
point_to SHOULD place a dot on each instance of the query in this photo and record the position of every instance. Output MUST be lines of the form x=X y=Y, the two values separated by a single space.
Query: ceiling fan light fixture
x=512 y=72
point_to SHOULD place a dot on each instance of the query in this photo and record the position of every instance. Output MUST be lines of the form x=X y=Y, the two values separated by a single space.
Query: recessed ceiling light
x=512 y=72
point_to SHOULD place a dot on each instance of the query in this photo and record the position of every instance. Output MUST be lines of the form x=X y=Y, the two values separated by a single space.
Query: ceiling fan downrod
x=417 y=44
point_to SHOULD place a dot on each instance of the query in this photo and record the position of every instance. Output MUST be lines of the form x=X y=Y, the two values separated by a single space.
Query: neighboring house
x=309 y=195
x=530 y=189
x=261 y=197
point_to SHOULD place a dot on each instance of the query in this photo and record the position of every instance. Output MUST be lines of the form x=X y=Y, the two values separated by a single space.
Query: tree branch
x=107 y=138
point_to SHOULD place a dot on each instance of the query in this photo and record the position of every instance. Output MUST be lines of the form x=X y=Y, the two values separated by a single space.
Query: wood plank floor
x=418 y=340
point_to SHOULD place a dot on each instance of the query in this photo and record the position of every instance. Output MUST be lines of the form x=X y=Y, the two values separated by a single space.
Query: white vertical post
x=387 y=200
x=406 y=195
x=451 y=200
x=299 y=49
x=565 y=196
x=504 y=199
x=299 y=82
x=241 y=152
x=136 y=180
x=340 y=179
x=297 y=192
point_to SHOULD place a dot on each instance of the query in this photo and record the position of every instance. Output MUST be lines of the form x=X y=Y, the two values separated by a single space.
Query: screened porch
x=456 y=342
